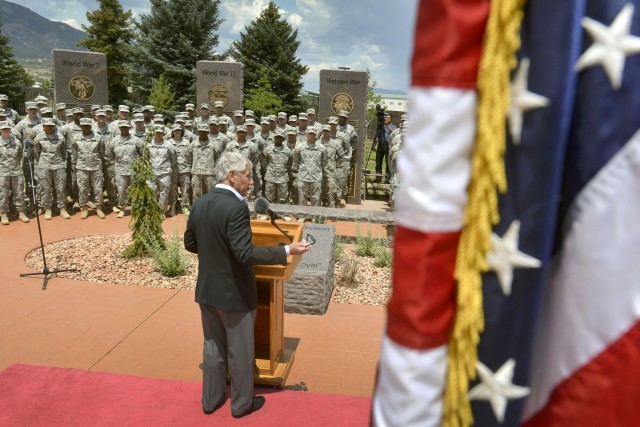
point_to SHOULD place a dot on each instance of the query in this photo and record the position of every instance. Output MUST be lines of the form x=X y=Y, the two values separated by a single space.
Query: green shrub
x=366 y=245
x=383 y=257
x=170 y=260
x=349 y=271
x=337 y=256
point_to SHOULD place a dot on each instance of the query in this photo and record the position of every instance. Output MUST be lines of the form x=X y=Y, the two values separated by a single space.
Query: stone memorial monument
x=309 y=289
x=346 y=90
x=220 y=81
x=80 y=77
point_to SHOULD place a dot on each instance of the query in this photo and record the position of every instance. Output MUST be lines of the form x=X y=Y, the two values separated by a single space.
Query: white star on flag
x=497 y=387
x=522 y=100
x=504 y=256
x=611 y=45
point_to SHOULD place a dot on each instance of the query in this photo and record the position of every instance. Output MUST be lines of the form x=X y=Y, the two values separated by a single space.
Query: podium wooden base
x=278 y=378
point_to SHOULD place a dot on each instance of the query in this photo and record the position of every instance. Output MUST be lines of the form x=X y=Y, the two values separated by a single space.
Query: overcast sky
x=359 y=34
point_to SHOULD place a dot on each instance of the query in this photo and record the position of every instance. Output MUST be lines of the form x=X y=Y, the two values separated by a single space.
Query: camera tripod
x=379 y=135
x=45 y=271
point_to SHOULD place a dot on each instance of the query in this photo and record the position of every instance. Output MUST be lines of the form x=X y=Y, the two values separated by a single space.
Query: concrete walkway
x=156 y=332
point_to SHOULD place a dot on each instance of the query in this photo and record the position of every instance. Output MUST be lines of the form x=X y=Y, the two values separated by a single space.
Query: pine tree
x=111 y=33
x=146 y=213
x=262 y=100
x=161 y=96
x=269 y=42
x=12 y=75
x=171 y=39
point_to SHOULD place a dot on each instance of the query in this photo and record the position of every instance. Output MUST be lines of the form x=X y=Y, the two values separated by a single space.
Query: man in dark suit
x=219 y=231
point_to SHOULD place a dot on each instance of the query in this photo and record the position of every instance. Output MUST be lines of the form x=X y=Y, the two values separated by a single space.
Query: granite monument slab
x=220 y=81
x=80 y=77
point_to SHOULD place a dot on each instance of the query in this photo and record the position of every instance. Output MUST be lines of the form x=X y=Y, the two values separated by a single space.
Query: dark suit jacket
x=219 y=231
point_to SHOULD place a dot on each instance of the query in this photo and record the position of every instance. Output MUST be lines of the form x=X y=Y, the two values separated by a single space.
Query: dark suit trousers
x=382 y=155
x=228 y=346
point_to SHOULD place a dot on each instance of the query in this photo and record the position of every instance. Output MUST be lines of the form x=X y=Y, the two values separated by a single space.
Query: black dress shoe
x=218 y=406
x=258 y=402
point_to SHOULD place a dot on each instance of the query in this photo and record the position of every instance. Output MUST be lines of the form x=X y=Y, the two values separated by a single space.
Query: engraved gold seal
x=82 y=88
x=218 y=93
x=341 y=101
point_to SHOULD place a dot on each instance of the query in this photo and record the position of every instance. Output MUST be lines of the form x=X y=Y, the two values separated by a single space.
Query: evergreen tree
x=161 y=96
x=12 y=75
x=146 y=213
x=111 y=33
x=269 y=42
x=262 y=100
x=171 y=39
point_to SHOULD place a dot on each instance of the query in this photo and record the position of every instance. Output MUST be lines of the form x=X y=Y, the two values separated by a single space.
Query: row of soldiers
x=295 y=159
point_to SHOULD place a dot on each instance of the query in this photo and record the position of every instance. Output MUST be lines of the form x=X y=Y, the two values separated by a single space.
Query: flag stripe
x=593 y=294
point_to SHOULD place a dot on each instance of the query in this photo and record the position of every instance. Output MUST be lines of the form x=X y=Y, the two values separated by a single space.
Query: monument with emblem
x=347 y=90
x=80 y=77
x=220 y=81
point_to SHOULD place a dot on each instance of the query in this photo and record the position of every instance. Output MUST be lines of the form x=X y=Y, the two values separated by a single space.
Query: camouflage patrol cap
x=264 y=121
x=333 y=120
x=280 y=133
x=68 y=112
x=124 y=124
x=203 y=128
x=293 y=118
x=249 y=113
x=343 y=113
x=273 y=118
x=101 y=112
x=302 y=116
x=136 y=111
x=175 y=128
x=241 y=128
x=138 y=117
x=123 y=108
x=148 y=108
x=311 y=111
x=218 y=104
x=204 y=106
x=107 y=107
x=48 y=121
x=238 y=113
x=158 y=117
x=159 y=129
x=179 y=119
x=312 y=130
x=249 y=122
x=78 y=110
x=41 y=99
x=190 y=107
x=291 y=132
x=61 y=106
x=30 y=105
x=4 y=97
x=282 y=115
x=4 y=125
x=85 y=121
x=213 y=121
x=46 y=110
x=95 y=107
x=326 y=127
x=188 y=123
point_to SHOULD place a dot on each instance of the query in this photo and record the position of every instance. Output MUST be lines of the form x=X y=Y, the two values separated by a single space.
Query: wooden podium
x=273 y=361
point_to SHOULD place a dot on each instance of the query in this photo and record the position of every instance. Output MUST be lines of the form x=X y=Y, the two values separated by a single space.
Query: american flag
x=561 y=299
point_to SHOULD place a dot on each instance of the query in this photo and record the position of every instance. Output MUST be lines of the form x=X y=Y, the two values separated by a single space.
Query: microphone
x=261 y=206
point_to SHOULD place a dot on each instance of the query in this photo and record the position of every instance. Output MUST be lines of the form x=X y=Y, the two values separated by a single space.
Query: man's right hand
x=298 y=248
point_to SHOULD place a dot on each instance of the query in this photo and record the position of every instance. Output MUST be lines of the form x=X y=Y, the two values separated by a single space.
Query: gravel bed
x=98 y=260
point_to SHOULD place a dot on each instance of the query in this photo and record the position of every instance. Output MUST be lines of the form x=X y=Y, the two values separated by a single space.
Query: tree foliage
x=111 y=32
x=261 y=99
x=12 y=74
x=372 y=97
x=170 y=40
x=146 y=213
x=161 y=96
x=267 y=48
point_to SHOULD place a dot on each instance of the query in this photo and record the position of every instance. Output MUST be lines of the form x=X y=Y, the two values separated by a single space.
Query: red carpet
x=44 y=396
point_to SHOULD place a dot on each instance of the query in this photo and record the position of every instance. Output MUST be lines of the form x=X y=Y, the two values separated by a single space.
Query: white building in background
x=394 y=103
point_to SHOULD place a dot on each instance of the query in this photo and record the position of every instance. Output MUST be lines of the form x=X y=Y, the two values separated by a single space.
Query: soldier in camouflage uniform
x=11 y=113
x=11 y=177
x=204 y=115
x=218 y=107
x=87 y=154
x=309 y=164
x=250 y=151
x=106 y=134
x=238 y=119
x=191 y=112
x=25 y=132
x=263 y=140
x=186 y=134
x=184 y=153
x=302 y=128
x=139 y=129
x=279 y=159
x=292 y=143
x=72 y=131
x=60 y=118
x=250 y=125
x=282 y=120
x=293 y=124
x=214 y=134
x=311 y=120
x=206 y=153
x=330 y=194
x=50 y=150
x=343 y=163
x=165 y=167
x=123 y=151
x=273 y=123
x=222 y=129
x=350 y=135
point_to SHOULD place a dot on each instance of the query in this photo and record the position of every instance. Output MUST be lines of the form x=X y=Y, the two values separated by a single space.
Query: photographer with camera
x=382 y=150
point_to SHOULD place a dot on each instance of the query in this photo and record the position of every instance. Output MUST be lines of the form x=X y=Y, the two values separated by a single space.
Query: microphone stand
x=45 y=271
x=273 y=222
